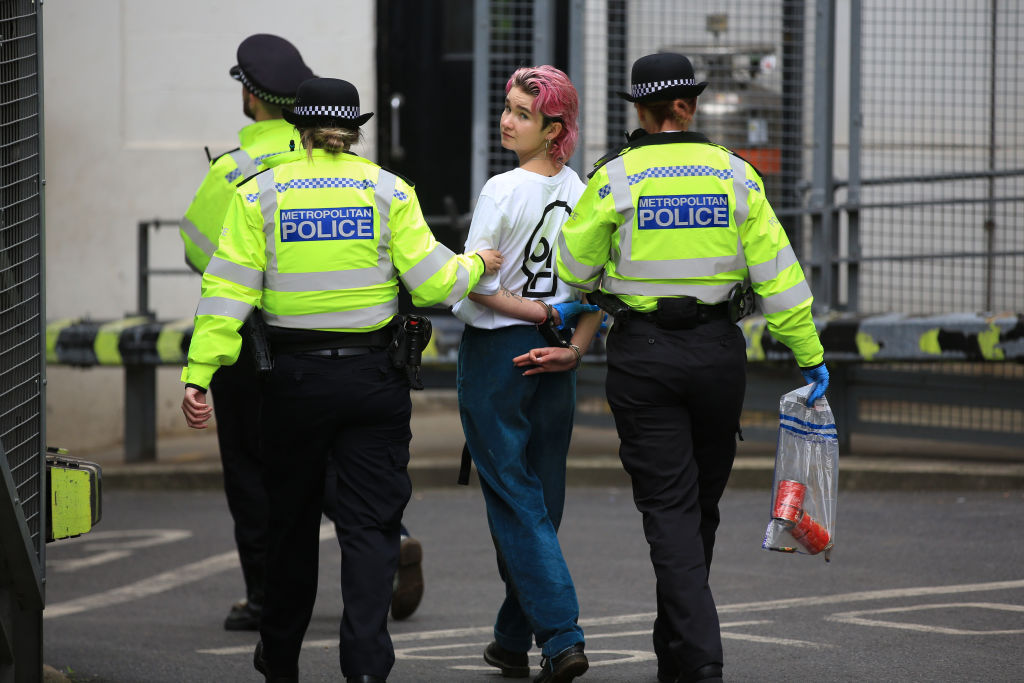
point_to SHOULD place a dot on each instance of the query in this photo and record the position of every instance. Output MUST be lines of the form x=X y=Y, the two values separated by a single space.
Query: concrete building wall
x=133 y=91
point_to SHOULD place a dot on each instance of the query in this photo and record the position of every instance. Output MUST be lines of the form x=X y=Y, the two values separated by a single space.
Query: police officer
x=669 y=226
x=270 y=70
x=318 y=244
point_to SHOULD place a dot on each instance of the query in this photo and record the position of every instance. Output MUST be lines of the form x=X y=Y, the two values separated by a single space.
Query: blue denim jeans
x=518 y=429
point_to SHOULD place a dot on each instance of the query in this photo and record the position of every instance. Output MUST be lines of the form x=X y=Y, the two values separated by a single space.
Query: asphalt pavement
x=922 y=586
x=191 y=461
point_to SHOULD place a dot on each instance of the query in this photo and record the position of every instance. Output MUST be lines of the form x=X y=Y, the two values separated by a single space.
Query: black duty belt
x=338 y=344
x=705 y=313
x=347 y=351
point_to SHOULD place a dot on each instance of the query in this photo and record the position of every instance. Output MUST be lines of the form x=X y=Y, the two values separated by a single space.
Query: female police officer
x=669 y=226
x=318 y=243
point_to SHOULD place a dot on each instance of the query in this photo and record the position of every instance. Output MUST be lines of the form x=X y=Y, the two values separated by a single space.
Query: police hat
x=271 y=68
x=662 y=76
x=326 y=102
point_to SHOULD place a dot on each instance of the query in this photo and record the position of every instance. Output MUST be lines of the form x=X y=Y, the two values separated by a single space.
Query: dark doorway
x=425 y=105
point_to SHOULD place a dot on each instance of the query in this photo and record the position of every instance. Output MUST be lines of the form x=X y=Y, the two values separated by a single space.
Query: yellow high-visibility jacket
x=674 y=215
x=319 y=245
x=201 y=226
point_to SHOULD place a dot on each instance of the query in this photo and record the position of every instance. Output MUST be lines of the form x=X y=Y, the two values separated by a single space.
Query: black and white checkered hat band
x=643 y=89
x=340 y=112
x=263 y=94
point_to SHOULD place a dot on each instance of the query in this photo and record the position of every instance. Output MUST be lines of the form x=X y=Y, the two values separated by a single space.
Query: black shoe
x=244 y=616
x=260 y=665
x=408 y=590
x=563 y=667
x=512 y=664
x=709 y=673
x=365 y=678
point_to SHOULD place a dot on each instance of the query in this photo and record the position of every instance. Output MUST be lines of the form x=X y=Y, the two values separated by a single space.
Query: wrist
x=548 y=312
x=579 y=356
x=477 y=254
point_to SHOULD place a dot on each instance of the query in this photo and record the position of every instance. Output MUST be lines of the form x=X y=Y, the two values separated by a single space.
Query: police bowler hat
x=662 y=76
x=326 y=103
x=271 y=68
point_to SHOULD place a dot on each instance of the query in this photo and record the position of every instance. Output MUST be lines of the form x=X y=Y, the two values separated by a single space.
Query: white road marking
x=85 y=562
x=165 y=581
x=810 y=601
x=856 y=618
x=109 y=546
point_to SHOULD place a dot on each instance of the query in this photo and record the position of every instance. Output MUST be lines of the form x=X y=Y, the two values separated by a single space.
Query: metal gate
x=22 y=335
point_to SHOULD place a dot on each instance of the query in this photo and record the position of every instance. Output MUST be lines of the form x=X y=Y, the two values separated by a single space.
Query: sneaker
x=512 y=664
x=408 y=589
x=244 y=616
x=563 y=667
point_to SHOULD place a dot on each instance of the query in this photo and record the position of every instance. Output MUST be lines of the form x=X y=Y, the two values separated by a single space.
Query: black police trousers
x=355 y=410
x=676 y=396
x=236 y=404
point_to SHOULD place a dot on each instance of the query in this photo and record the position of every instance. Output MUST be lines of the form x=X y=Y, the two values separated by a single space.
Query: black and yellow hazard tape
x=135 y=340
x=892 y=337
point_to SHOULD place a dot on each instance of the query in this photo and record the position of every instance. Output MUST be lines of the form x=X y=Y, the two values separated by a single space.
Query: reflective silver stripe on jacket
x=580 y=271
x=268 y=208
x=783 y=301
x=362 y=317
x=235 y=273
x=763 y=272
x=706 y=293
x=199 y=239
x=671 y=269
x=246 y=164
x=427 y=267
x=219 y=305
x=461 y=287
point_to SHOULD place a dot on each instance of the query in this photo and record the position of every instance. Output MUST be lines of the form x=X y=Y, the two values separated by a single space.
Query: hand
x=819 y=377
x=546 y=359
x=569 y=311
x=492 y=260
x=197 y=410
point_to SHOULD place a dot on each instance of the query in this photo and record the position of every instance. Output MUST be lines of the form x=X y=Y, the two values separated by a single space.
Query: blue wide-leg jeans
x=518 y=429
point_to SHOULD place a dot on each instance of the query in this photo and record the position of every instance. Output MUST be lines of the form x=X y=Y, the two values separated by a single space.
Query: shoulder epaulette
x=217 y=158
x=245 y=180
x=741 y=158
x=396 y=173
x=617 y=151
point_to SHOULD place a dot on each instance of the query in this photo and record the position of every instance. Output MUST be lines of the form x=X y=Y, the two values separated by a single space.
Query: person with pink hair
x=518 y=426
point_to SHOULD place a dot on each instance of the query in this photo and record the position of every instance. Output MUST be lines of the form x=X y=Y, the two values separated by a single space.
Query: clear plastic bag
x=803 y=504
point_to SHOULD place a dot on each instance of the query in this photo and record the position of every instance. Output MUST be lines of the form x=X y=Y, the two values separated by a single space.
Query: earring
x=547 y=145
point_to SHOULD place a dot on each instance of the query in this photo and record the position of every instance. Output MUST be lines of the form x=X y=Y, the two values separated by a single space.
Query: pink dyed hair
x=555 y=99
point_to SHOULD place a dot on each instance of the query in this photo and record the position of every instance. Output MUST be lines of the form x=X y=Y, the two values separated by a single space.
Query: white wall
x=133 y=90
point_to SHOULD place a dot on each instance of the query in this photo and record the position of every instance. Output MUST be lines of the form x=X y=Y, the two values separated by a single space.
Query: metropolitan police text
x=683 y=211
x=343 y=223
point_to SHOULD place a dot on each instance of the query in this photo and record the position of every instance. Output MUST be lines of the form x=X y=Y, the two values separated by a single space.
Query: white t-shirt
x=521 y=214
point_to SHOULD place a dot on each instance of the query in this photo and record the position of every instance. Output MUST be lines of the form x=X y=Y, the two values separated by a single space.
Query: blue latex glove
x=819 y=377
x=570 y=310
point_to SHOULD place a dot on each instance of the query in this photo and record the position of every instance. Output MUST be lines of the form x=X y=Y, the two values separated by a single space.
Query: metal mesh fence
x=511 y=46
x=943 y=145
x=21 y=286
x=756 y=57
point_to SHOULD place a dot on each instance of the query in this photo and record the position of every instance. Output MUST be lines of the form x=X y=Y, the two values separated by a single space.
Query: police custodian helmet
x=271 y=68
